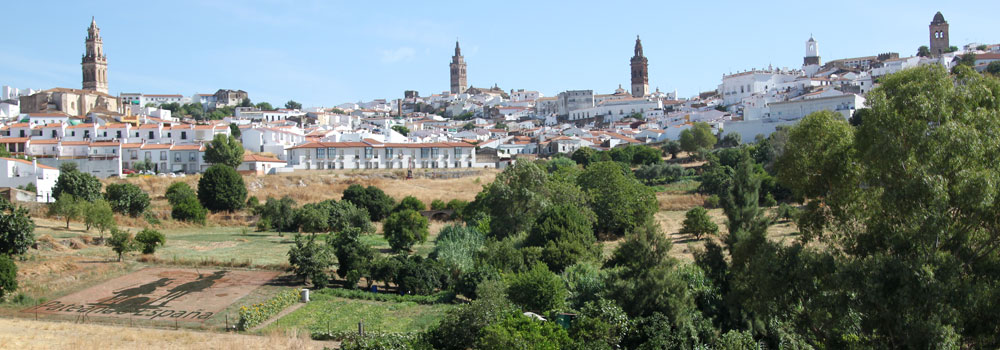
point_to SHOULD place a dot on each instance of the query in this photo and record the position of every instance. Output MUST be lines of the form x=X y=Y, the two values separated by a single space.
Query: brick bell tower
x=640 y=71
x=458 y=79
x=939 y=35
x=94 y=63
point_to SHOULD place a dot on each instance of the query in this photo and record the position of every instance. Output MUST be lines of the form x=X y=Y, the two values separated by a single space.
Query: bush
x=17 y=230
x=121 y=242
x=352 y=255
x=523 y=332
x=411 y=202
x=127 y=199
x=178 y=191
x=8 y=276
x=456 y=246
x=255 y=314
x=148 y=239
x=277 y=214
x=68 y=207
x=712 y=201
x=538 y=290
x=310 y=260
x=189 y=209
x=100 y=216
x=221 y=188
x=81 y=185
x=443 y=297
x=564 y=233
x=312 y=218
x=438 y=204
x=656 y=174
x=698 y=224
x=404 y=228
x=344 y=215
x=378 y=204
x=370 y=340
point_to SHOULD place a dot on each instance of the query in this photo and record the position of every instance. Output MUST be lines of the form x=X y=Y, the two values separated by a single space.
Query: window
x=388 y=152
x=192 y=156
x=163 y=155
x=184 y=135
x=425 y=152
x=458 y=152
x=118 y=134
x=86 y=134
x=133 y=154
x=368 y=152
x=150 y=135
x=331 y=152
x=434 y=152
x=320 y=153
x=177 y=157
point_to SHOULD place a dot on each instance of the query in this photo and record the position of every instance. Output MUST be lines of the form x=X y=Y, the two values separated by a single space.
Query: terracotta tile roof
x=22 y=161
x=43 y=115
x=149 y=126
x=114 y=126
x=104 y=143
x=53 y=125
x=75 y=143
x=20 y=125
x=131 y=145
x=84 y=125
x=188 y=148
x=259 y=158
x=13 y=139
x=156 y=146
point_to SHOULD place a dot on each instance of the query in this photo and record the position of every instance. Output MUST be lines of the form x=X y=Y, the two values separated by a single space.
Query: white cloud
x=398 y=55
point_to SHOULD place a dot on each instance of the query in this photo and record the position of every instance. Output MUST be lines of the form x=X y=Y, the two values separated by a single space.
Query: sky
x=323 y=53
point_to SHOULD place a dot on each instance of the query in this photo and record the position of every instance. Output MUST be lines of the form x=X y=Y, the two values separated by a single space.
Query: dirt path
x=281 y=314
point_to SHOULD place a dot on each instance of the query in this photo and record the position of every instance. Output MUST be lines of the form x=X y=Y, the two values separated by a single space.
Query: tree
x=246 y=102
x=731 y=140
x=100 y=216
x=537 y=290
x=583 y=155
x=655 y=174
x=291 y=104
x=672 y=147
x=378 y=204
x=221 y=188
x=121 y=242
x=412 y=203
x=277 y=214
x=601 y=324
x=698 y=223
x=438 y=204
x=8 y=276
x=235 y=131
x=353 y=256
x=923 y=51
x=645 y=155
x=401 y=129
x=76 y=183
x=224 y=149
x=523 y=332
x=311 y=218
x=148 y=239
x=697 y=137
x=344 y=215
x=468 y=126
x=741 y=201
x=565 y=235
x=404 y=228
x=461 y=327
x=500 y=125
x=17 y=230
x=187 y=208
x=68 y=207
x=968 y=60
x=456 y=246
x=584 y=283
x=518 y=195
x=126 y=198
x=179 y=191
x=993 y=68
x=620 y=202
x=310 y=260
x=264 y=106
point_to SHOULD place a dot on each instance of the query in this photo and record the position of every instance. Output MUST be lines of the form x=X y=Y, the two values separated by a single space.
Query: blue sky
x=322 y=53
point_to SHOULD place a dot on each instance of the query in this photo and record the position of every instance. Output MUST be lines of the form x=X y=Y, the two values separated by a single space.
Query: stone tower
x=640 y=71
x=812 y=52
x=95 y=64
x=939 y=35
x=458 y=80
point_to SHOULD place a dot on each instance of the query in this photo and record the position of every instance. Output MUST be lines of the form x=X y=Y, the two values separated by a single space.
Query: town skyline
x=408 y=55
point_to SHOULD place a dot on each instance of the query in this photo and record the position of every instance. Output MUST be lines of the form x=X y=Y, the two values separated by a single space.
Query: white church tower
x=811 y=63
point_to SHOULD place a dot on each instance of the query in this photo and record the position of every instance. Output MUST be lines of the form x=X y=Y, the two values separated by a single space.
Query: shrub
x=277 y=214
x=537 y=290
x=68 y=207
x=655 y=174
x=456 y=246
x=404 y=228
x=564 y=233
x=698 y=224
x=311 y=218
x=523 y=332
x=74 y=182
x=412 y=203
x=370 y=340
x=17 y=230
x=221 y=188
x=442 y=297
x=438 y=204
x=100 y=216
x=310 y=260
x=8 y=276
x=352 y=255
x=149 y=239
x=121 y=242
x=178 y=191
x=189 y=209
x=252 y=315
x=344 y=215
x=378 y=204
x=712 y=201
x=127 y=199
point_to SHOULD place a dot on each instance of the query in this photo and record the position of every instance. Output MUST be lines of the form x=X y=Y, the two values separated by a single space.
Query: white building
x=373 y=155
x=844 y=104
x=19 y=173
x=736 y=87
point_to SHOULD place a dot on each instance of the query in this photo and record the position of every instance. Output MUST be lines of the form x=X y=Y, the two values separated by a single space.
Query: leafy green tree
x=291 y=104
x=456 y=246
x=565 y=235
x=518 y=195
x=698 y=224
x=741 y=201
x=279 y=214
x=993 y=68
x=411 y=203
x=68 y=207
x=100 y=216
x=221 y=188
x=418 y=275
x=583 y=155
x=235 y=131
x=126 y=198
x=401 y=129
x=601 y=325
x=178 y=191
x=645 y=155
x=310 y=260
x=655 y=174
x=672 y=147
x=461 y=327
x=8 y=276
x=312 y=218
x=148 y=239
x=584 y=283
x=924 y=51
x=468 y=126
x=224 y=149
x=76 y=183
x=500 y=125
x=17 y=230
x=353 y=256
x=188 y=208
x=537 y=290
x=697 y=137
x=438 y=204
x=264 y=106
x=121 y=242
x=404 y=228
x=378 y=204
x=731 y=140
x=344 y=215
x=523 y=332
x=620 y=202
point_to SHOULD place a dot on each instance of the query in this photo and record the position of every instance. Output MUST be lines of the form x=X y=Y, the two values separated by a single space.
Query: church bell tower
x=95 y=64
x=640 y=71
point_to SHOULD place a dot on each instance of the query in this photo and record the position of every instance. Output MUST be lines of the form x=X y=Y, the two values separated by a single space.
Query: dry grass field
x=29 y=334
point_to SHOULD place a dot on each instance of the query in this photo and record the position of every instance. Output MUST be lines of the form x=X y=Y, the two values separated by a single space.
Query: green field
x=327 y=313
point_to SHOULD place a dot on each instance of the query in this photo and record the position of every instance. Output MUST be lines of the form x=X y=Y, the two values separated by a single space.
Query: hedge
x=370 y=340
x=443 y=297
x=255 y=314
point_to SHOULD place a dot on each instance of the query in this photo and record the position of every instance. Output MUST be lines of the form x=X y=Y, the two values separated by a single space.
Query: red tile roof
x=22 y=161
